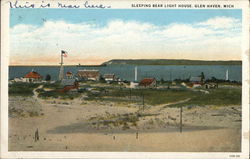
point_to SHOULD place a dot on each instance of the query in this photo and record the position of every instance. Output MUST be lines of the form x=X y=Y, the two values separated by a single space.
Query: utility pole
x=142 y=101
x=181 y=119
x=130 y=92
x=135 y=73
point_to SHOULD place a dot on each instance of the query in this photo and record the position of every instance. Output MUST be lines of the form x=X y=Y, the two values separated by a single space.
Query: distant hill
x=169 y=62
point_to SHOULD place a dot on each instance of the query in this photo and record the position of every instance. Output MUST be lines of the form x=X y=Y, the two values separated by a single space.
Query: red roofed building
x=148 y=82
x=33 y=77
x=69 y=85
x=69 y=75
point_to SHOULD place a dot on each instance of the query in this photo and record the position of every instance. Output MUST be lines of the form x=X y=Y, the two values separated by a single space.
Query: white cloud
x=221 y=23
x=121 y=39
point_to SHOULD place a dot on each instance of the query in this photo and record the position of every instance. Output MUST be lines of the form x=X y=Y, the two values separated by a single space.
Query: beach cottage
x=93 y=75
x=32 y=77
x=109 y=77
x=196 y=81
x=148 y=83
x=134 y=84
x=69 y=85
x=69 y=75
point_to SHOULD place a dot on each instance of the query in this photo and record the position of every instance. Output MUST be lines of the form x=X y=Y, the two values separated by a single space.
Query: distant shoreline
x=170 y=62
x=156 y=62
x=119 y=64
x=56 y=65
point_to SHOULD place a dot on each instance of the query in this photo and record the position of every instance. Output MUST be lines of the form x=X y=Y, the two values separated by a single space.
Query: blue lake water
x=126 y=72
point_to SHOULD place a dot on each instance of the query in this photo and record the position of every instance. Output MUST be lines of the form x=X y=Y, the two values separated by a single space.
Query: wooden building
x=109 y=77
x=69 y=85
x=196 y=81
x=93 y=75
x=148 y=83
x=32 y=77
x=69 y=75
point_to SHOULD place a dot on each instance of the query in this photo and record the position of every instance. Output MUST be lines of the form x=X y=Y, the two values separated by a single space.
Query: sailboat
x=227 y=75
x=134 y=84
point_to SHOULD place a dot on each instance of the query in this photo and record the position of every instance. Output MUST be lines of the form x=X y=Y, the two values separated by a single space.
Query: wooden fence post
x=142 y=101
x=36 y=135
x=130 y=92
x=181 y=119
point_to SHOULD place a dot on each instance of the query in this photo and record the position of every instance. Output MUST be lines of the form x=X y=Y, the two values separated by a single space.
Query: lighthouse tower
x=61 y=74
x=61 y=68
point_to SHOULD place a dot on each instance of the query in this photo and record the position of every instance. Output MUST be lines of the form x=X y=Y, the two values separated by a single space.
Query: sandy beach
x=79 y=125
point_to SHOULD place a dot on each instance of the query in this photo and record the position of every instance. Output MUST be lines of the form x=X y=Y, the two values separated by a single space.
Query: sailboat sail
x=136 y=73
x=227 y=75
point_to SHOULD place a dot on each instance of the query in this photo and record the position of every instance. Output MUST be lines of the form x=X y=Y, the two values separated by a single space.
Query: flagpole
x=61 y=69
x=61 y=59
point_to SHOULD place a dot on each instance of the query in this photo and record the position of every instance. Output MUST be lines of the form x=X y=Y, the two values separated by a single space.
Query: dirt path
x=35 y=96
x=157 y=109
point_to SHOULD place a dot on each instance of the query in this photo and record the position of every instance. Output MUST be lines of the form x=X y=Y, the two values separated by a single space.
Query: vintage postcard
x=128 y=79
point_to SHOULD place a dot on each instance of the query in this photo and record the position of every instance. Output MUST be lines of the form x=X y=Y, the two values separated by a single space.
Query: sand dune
x=77 y=125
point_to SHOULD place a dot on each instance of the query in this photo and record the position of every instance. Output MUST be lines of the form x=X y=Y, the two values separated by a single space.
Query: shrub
x=22 y=89
x=57 y=94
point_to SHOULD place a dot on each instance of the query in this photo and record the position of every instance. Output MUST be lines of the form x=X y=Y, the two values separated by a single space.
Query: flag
x=64 y=53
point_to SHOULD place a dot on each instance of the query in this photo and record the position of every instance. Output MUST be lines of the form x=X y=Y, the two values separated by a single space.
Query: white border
x=138 y=155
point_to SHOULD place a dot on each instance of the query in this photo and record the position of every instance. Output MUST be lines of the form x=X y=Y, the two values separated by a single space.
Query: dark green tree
x=162 y=81
x=48 y=78
x=202 y=77
x=102 y=79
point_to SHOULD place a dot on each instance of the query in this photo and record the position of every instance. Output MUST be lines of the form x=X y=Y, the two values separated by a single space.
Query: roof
x=195 y=79
x=69 y=73
x=68 y=82
x=68 y=88
x=88 y=73
x=146 y=81
x=33 y=74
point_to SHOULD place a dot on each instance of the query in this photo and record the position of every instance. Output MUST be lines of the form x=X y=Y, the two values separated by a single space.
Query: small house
x=20 y=79
x=109 y=77
x=148 y=82
x=196 y=81
x=69 y=85
x=93 y=75
x=134 y=84
x=69 y=75
x=32 y=77
x=211 y=85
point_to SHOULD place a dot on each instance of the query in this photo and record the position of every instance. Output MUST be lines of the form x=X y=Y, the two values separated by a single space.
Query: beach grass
x=52 y=85
x=221 y=96
x=146 y=96
x=22 y=89
x=218 y=97
x=56 y=94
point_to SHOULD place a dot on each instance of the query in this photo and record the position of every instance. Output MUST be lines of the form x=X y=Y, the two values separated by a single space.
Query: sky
x=37 y=36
